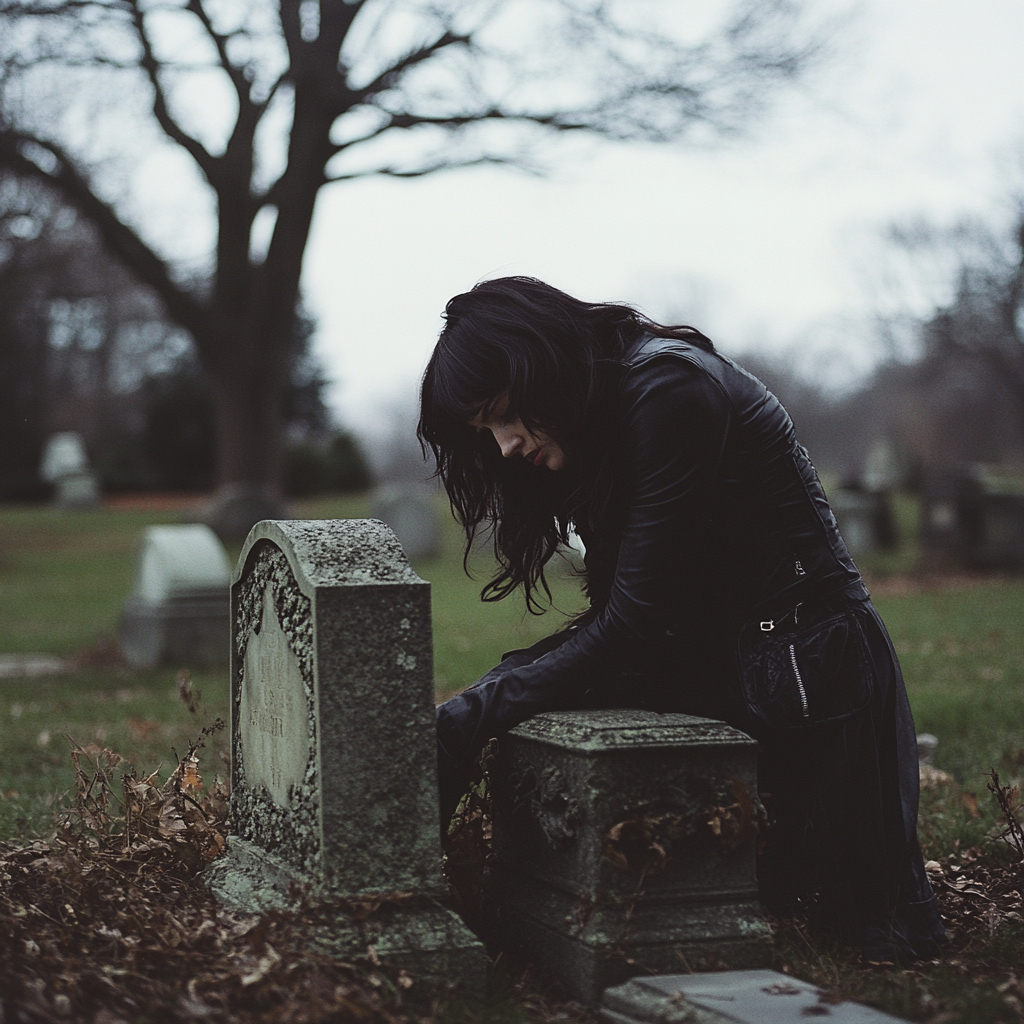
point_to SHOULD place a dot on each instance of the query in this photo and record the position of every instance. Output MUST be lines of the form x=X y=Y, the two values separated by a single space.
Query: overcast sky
x=767 y=242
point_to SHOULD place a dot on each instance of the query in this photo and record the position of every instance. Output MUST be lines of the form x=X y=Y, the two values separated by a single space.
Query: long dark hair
x=558 y=360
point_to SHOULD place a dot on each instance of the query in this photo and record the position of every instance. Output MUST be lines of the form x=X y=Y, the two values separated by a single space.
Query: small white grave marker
x=178 y=610
x=729 y=997
x=66 y=466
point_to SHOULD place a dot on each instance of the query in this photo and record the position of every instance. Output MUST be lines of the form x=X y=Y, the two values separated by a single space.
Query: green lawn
x=64 y=577
x=962 y=653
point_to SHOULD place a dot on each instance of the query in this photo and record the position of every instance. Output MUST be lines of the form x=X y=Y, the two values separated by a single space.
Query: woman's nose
x=508 y=441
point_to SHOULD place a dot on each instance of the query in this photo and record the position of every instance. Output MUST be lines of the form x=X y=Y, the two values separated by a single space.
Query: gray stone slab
x=334 y=765
x=624 y=842
x=737 y=997
x=76 y=491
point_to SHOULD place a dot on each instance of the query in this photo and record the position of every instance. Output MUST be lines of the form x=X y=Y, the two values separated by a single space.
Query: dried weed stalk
x=1008 y=798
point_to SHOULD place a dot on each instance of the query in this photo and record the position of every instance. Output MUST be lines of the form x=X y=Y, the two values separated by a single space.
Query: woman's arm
x=675 y=422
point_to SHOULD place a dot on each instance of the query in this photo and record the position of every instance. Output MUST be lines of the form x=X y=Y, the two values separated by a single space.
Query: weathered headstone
x=334 y=761
x=66 y=466
x=178 y=612
x=410 y=511
x=974 y=517
x=236 y=508
x=624 y=843
x=27 y=666
x=729 y=997
x=883 y=470
x=865 y=519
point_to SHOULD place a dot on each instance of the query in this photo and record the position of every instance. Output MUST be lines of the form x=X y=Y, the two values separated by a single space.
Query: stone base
x=589 y=948
x=624 y=843
x=178 y=632
x=76 y=490
x=413 y=932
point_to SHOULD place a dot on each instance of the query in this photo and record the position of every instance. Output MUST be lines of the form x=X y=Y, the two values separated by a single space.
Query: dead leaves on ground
x=106 y=940
x=977 y=895
x=175 y=823
x=107 y=923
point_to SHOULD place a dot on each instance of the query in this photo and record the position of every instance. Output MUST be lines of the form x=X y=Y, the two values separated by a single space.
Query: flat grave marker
x=729 y=997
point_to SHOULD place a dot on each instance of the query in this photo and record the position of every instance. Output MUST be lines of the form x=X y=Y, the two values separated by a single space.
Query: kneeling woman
x=717 y=580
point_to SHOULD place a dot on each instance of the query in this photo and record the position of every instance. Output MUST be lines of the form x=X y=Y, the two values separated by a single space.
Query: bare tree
x=327 y=91
x=969 y=354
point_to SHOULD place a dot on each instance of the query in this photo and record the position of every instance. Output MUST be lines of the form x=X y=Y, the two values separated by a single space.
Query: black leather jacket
x=722 y=522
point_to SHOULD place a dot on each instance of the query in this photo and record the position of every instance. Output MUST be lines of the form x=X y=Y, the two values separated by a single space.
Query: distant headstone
x=882 y=468
x=333 y=754
x=178 y=611
x=624 y=843
x=865 y=519
x=27 y=666
x=66 y=466
x=974 y=517
x=926 y=744
x=729 y=997
x=236 y=508
x=411 y=511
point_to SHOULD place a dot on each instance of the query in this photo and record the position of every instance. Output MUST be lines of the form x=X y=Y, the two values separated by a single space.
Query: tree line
x=85 y=347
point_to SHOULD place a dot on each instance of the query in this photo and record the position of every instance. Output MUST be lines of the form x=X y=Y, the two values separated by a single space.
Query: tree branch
x=16 y=153
x=446 y=164
x=238 y=79
x=389 y=77
x=161 y=112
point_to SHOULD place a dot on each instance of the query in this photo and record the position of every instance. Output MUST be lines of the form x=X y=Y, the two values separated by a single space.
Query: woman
x=717 y=580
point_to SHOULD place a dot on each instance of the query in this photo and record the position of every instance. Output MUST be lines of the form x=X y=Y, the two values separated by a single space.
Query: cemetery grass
x=64 y=577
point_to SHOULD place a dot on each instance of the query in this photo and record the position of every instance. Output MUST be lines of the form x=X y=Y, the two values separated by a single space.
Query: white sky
x=767 y=242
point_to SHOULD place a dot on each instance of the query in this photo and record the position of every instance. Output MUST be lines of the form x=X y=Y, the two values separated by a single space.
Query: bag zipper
x=799 y=680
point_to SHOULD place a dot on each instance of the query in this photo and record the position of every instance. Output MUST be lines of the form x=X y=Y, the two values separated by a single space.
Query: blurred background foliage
x=85 y=347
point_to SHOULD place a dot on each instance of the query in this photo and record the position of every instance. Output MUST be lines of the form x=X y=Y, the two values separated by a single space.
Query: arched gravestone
x=334 y=763
x=66 y=466
x=177 y=613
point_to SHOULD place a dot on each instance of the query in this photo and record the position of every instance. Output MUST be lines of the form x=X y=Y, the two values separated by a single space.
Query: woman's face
x=515 y=440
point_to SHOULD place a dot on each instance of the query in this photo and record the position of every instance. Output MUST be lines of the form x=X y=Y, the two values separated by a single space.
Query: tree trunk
x=248 y=368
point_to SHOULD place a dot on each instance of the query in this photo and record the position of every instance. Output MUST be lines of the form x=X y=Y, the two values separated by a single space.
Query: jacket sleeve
x=675 y=422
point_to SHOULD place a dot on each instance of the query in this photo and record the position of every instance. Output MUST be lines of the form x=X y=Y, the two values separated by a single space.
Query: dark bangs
x=557 y=359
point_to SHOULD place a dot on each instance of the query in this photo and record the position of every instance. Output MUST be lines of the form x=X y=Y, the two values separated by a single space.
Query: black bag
x=807 y=667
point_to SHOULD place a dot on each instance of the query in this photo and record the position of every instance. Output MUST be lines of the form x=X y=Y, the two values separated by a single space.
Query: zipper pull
x=799 y=569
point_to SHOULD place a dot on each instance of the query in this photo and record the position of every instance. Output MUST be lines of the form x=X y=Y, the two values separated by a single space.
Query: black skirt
x=841 y=784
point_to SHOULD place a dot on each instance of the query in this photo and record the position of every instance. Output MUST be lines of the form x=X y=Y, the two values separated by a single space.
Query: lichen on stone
x=292 y=833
